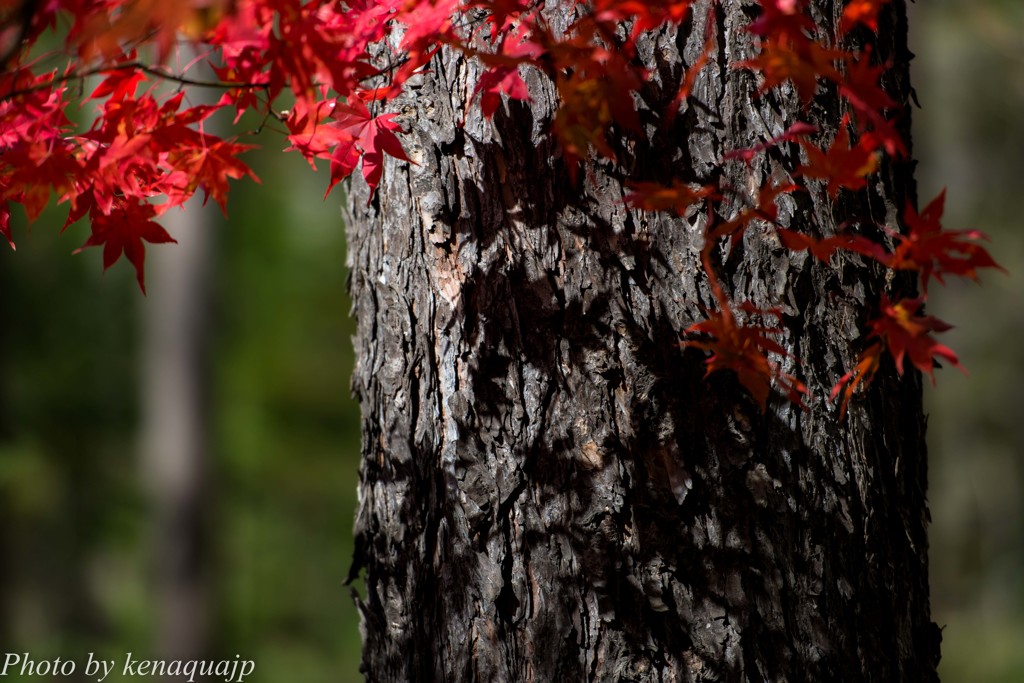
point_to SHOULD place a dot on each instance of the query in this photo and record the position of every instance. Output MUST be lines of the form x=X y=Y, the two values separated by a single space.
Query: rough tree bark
x=550 y=490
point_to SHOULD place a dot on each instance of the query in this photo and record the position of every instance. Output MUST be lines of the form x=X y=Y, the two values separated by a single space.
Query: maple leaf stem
x=270 y=113
x=124 y=66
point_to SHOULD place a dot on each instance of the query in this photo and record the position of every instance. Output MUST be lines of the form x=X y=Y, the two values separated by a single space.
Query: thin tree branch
x=146 y=68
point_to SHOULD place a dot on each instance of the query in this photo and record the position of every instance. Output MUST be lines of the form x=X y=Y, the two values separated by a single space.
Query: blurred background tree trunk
x=176 y=436
x=175 y=431
x=549 y=488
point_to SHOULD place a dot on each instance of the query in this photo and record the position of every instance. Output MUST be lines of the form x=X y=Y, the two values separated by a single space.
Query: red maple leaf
x=675 y=198
x=743 y=349
x=644 y=15
x=34 y=170
x=795 y=132
x=107 y=29
x=310 y=131
x=906 y=334
x=344 y=133
x=780 y=18
x=36 y=155
x=934 y=251
x=243 y=39
x=502 y=13
x=119 y=84
x=427 y=21
x=122 y=231
x=502 y=76
x=312 y=47
x=842 y=165
x=863 y=373
x=883 y=135
x=211 y=166
x=364 y=136
x=596 y=87
x=497 y=80
x=823 y=249
x=860 y=85
x=860 y=12
x=794 y=58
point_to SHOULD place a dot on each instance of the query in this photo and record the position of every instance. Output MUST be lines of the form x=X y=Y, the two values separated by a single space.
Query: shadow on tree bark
x=550 y=488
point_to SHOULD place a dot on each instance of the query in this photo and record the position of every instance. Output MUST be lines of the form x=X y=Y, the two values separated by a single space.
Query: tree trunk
x=550 y=489
x=175 y=438
x=175 y=434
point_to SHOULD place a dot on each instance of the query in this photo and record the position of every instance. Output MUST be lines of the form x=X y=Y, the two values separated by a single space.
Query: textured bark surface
x=550 y=490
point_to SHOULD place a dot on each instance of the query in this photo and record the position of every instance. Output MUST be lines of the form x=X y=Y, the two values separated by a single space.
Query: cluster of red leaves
x=344 y=133
x=339 y=62
x=791 y=53
x=146 y=150
x=903 y=332
x=930 y=251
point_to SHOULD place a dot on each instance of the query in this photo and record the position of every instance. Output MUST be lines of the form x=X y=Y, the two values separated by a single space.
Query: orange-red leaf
x=591 y=103
x=823 y=249
x=907 y=334
x=794 y=58
x=861 y=85
x=795 y=132
x=934 y=251
x=904 y=334
x=675 y=198
x=863 y=373
x=781 y=18
x=863 y=12
x=842 y=165
x=645 y=15
x=743 y=349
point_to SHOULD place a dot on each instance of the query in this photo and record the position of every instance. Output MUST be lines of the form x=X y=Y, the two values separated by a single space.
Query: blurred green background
x=267 y=536
x=279 y=432
x=969 y=137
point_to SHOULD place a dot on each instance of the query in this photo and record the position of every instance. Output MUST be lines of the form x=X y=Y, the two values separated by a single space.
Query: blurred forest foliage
x=969 y=136
x=77 y=573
